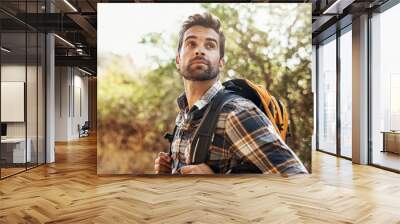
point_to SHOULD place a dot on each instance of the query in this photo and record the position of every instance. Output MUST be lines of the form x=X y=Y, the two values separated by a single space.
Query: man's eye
x=210 y=45
x=190 y=44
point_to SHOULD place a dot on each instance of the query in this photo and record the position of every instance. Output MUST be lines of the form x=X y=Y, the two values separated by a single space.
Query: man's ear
x=177 y=60
x=221 y=64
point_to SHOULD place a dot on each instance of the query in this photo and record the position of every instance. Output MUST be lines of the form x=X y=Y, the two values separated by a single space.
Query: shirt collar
x=204 y=100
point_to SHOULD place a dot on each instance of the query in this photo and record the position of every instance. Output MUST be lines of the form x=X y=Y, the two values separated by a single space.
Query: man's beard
x=204 y=75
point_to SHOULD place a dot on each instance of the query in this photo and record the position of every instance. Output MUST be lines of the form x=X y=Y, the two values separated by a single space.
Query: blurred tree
x=271 y=45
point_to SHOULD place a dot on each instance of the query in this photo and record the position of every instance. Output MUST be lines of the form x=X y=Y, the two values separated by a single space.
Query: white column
x=50 y=92
x=50 y=100
x=62 y=103
x=360 y=90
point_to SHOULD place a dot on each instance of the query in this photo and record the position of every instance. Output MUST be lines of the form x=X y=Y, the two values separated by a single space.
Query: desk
x=391 y=141
x=15 y=148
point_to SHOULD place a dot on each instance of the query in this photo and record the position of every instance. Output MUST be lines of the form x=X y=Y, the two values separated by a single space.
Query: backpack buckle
x=169 y=137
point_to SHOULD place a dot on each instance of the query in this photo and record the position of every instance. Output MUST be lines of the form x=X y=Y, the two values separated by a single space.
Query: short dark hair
x=206 y=20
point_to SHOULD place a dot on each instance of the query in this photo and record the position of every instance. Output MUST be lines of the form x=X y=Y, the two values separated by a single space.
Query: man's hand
x=162 y=165
x=196 y=169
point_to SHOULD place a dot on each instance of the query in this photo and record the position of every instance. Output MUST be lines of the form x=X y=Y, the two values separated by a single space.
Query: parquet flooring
x=69 y=191
x=10 y=171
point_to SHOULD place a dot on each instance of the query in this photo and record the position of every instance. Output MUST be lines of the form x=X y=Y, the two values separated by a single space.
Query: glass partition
x=32 y=85
x=14 y=154
x=32 y=95
x=22 y=77
x=41 y=85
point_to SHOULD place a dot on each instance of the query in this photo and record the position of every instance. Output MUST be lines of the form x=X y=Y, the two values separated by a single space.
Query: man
x=245 y=140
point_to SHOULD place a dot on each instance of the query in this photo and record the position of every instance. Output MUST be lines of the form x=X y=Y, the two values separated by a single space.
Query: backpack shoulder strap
x=204 y=134
x=170 y=138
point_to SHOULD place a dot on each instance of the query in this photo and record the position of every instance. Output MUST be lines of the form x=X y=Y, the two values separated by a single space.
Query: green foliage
x=277 y=56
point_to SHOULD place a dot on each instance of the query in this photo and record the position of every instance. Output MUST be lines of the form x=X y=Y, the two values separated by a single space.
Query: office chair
x=84 y=130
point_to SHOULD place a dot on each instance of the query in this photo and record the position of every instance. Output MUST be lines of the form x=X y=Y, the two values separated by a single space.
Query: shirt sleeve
x=254 y=139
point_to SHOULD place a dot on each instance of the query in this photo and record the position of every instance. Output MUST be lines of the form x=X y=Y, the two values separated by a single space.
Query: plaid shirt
x=245 y=141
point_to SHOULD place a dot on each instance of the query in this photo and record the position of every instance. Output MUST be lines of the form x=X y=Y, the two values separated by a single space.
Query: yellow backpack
x=276 y=110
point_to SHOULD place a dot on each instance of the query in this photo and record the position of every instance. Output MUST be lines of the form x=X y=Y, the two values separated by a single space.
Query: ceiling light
x=5 y=50
x=70 y=5
x=64 y=40
x=86 y=72
x=337 y=7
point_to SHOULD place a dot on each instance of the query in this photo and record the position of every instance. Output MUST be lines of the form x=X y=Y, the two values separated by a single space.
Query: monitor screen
x=3 y=129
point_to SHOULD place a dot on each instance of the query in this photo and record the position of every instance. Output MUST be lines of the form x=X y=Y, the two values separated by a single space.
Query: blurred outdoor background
x=267 y=43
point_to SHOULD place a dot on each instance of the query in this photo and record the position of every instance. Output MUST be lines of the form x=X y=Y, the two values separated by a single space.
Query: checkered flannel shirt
x=245 y=141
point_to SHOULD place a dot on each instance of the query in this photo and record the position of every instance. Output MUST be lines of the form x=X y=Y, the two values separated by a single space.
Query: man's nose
x=200 y=51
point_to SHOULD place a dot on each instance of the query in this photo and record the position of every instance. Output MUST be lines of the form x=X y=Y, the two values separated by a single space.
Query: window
x=385 y=89
x=346 y=93
x=327 y=96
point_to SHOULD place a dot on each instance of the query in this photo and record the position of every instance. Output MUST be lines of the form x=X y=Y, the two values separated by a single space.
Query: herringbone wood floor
x=69 y=191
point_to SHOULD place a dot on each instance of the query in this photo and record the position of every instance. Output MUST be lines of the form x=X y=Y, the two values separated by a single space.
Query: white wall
x=12 y=73
x=33 y=126
x=62 y=80
x=80 y=110
x=71 y=94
